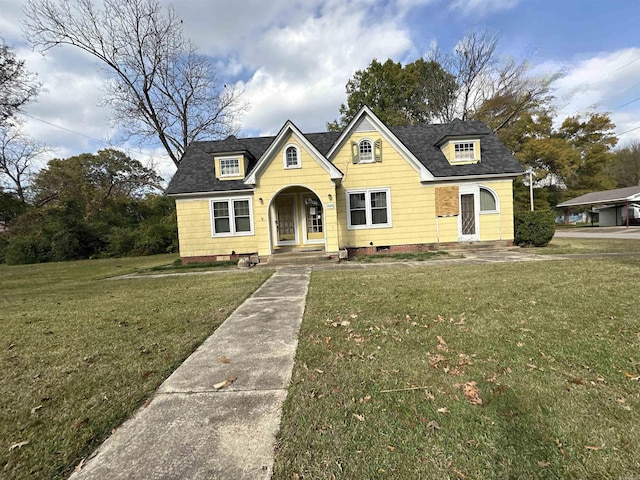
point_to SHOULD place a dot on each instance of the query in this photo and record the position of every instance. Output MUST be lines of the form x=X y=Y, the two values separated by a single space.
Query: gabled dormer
x=461 y=142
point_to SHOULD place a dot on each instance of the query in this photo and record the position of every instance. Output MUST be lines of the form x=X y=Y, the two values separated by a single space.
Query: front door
x=314 y=219
x=468 y=225
x=286 y=220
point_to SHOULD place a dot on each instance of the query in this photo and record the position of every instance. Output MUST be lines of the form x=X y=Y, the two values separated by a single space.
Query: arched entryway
x=296 y=219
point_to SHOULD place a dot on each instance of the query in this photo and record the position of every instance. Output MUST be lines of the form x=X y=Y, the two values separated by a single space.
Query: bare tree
x=159 y=86
x=17 y=85
x=488 y=87
x=18 y=152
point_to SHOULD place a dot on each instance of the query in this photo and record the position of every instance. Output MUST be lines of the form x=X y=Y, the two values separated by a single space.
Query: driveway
x=631 y=233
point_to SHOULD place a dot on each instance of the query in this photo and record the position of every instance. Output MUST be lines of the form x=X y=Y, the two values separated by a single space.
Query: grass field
x=520 y=370
x=80 y=352
x=587 y=246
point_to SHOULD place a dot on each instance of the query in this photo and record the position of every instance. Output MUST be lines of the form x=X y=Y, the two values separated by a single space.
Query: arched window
x=365 y=151
x=291 y=157
x=488 y=201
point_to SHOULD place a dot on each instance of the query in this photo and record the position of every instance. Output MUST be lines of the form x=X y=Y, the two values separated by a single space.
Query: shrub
x=27 y=249
x=534 y=228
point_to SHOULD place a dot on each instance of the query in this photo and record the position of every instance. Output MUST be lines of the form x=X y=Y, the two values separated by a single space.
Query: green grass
x=80 y=352
x=587 y=245
x=551 y=346
x=414 y=256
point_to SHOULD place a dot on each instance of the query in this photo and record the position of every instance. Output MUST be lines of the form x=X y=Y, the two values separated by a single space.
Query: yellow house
x=365 y=189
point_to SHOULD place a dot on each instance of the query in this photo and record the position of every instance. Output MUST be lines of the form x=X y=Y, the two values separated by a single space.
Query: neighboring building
x=367 y=188
x=614 y=207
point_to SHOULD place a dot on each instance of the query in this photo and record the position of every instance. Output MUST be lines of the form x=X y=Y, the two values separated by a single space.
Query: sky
x=293 y=59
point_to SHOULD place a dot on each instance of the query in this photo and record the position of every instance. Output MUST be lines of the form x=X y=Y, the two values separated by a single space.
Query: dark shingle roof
x=196 y=173
x=422 y=141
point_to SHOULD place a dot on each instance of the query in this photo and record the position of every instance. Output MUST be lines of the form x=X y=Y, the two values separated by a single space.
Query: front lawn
x=518 y=370
x=587 y=246
x=81 y=352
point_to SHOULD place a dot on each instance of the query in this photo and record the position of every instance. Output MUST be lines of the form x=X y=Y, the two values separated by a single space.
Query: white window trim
x=472 y=143
x=232 y=224
x=373 y=152
x=496 y=198
x=284 y=156
x=237 y=159
x=367 y=199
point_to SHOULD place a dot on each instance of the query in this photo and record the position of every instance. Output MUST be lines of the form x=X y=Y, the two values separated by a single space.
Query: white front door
x=468 y=225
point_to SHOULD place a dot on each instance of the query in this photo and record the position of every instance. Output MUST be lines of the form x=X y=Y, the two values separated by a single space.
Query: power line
x=103 y=142
x=627 y=131
x=628 y=103
x=627 y=64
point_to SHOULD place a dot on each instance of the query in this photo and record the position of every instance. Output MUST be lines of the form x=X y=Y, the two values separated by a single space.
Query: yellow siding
x=194 y=232
x=498 y=226
x=275 y=178
x=412 y=205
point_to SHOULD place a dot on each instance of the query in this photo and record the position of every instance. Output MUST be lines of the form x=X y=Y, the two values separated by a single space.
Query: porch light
x=260 y=200
x=330 y=197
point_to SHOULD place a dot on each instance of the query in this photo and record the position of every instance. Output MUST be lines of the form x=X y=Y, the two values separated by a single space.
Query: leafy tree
x=625 y=167
x=94 y=181
x=593 y=139
x=160 y=87
x=397 y=94
x=17 y=85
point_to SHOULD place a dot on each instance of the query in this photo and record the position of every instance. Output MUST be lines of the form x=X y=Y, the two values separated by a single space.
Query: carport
x=618 y=207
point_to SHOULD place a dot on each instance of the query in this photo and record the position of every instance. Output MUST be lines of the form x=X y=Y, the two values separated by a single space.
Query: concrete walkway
x=191 y=430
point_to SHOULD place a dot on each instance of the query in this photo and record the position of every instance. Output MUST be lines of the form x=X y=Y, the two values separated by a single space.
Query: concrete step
x=299 y=258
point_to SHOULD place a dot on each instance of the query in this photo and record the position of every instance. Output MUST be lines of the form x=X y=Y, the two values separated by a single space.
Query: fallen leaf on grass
x=443 y=410
x=18 y=445
x=591 y=447
x=365 y=399
x=35 y=409
x=359 y=417
x=632 y=376
x=471 y=393
x=224 y=359
x=433 y=425
x=224 y=383
x=391 y=448
x=543 y=464
x=442 y=345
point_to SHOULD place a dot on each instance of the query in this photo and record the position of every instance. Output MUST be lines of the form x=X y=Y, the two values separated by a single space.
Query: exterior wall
x=412 y=205
x=275 y=178
x=194 y=232
x=498 y=226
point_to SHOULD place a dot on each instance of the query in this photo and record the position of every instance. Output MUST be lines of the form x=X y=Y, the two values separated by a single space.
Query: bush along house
x=366 y=189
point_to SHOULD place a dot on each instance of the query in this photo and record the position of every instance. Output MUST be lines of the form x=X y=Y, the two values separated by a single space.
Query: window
x=365 y=151
x=369 y=209
x=231 y=216
x=229 y=167
x=488 y=201
x=464 y=151
x=291 y=157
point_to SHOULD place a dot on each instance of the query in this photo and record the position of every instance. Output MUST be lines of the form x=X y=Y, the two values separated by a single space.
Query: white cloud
x=482 y=7
x=606 y=82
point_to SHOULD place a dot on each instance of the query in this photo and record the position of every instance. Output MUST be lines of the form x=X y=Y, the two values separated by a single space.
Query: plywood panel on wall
x=447 y=201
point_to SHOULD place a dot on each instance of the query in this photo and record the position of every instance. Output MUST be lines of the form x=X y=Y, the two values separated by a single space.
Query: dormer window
x=292 y=157
x=229 y=167
x=464 y=151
